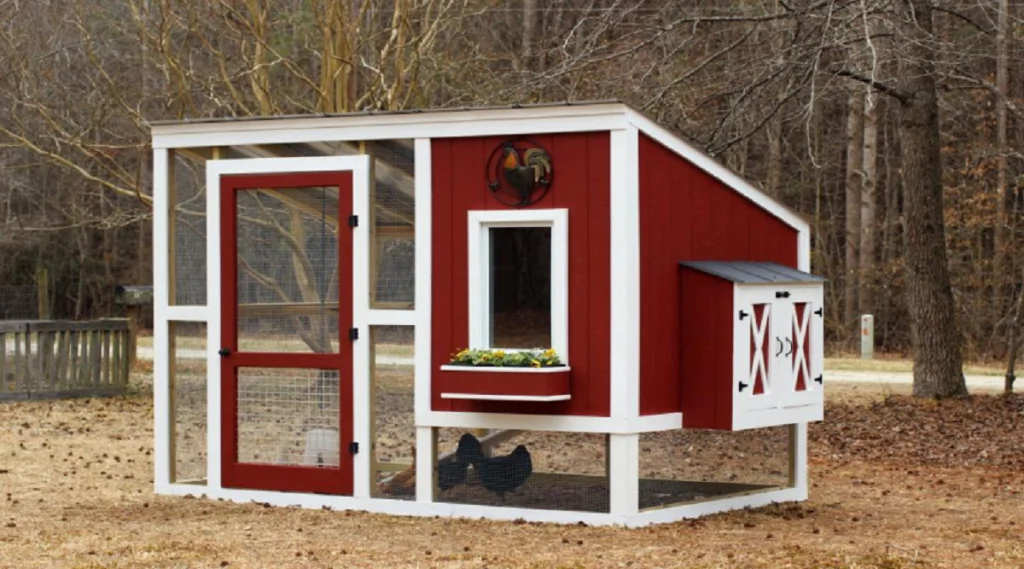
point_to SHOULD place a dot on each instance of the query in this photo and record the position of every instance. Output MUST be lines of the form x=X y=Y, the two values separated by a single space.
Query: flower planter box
x=503 y=383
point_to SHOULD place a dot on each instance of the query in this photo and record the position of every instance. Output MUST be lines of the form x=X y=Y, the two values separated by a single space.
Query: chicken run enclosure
x=553 y=313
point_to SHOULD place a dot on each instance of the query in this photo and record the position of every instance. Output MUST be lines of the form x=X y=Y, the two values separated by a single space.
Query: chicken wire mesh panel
x=523 y=469
x=394 y=435
x=188 y=384
x=689 y=465
x=393 y=243
x=189 y=226
x=287 y=258
x=288 y=416
x=19 y=302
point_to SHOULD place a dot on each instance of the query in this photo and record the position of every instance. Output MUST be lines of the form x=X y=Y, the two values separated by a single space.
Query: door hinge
x=818 y=380
x=353 y=447
x=743 y=315
x=782 y=294
x=353 y=221
x=743 y=386
x=819 y=312
x=353 y=334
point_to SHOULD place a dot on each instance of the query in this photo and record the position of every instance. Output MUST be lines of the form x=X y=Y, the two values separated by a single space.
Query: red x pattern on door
x=760 y=326
x=802 y=345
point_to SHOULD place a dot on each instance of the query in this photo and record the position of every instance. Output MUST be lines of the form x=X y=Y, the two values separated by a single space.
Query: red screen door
x=286 y=354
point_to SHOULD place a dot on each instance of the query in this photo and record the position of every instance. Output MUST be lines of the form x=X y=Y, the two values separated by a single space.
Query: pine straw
x=893 y=481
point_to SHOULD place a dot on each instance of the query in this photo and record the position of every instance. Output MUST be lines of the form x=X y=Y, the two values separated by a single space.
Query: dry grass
x=76 y=492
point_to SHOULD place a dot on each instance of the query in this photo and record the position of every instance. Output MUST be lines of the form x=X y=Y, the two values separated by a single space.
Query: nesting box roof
x=747 y=272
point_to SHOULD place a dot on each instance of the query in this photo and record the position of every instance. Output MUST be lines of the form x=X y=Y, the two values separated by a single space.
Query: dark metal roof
x=374 y=112
x=747 y=272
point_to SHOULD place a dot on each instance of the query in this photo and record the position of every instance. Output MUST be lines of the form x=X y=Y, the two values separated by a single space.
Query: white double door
x=778 y=351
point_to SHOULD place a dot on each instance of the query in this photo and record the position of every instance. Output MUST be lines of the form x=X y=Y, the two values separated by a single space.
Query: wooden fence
x=50 y=358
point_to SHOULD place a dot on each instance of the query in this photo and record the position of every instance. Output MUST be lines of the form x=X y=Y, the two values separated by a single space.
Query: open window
x=518 y=280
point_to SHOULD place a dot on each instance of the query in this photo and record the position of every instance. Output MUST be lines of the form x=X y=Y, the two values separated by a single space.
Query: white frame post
x=162 y=260
x=624 y=473
x=625 y=273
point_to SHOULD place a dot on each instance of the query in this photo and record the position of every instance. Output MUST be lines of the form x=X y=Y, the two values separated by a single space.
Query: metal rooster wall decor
x=519 y=172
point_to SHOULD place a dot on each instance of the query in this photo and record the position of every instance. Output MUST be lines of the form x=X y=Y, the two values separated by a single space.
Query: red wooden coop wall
x=581 y=184
x=688 y=215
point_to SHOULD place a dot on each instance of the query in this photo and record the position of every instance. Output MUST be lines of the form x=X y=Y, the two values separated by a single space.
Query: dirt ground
x=895 y=483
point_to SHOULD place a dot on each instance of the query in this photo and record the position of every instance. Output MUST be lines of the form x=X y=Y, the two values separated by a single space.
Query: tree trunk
x=854 y=159
x=1001 y=255
x=529 y=33
x=774 y=173
x=868 y=200
x=935 y=336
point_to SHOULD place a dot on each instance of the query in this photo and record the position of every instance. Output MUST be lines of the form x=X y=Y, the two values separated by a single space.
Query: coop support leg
x=798 y=457
x=624 y=473
x=426 y=455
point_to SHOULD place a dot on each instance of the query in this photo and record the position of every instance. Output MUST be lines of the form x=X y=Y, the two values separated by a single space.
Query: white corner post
x=162 y=259
x=426 y=435
x=798 y=459
x=624 y=473
x=625 y=273
x=362 y=463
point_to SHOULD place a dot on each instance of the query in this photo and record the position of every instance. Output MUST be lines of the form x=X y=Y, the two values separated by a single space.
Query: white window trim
x=480 y=223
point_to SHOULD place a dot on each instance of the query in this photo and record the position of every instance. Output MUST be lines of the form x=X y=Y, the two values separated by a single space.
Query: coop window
x=518 y=279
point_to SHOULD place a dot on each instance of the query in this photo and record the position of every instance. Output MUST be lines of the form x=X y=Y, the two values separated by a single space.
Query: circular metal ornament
x=519 y=172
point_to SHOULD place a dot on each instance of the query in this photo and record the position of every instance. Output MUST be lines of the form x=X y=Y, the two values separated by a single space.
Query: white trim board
x=456 y=123
x=563 y=423
x=448 y=510
x=624 y=331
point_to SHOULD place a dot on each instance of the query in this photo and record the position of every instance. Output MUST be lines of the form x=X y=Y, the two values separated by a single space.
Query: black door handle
x=225 y=352
x=779 y=340
x=790 y=349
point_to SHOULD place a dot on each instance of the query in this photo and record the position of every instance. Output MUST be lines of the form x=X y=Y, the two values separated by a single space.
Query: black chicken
x=455 y=470
x=503 y=474
x=524 y=175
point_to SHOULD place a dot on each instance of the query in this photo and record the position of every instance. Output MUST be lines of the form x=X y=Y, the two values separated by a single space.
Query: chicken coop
x=555 y=313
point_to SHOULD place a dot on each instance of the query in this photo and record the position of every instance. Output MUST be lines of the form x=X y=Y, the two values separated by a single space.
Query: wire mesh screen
x=188 y=384
x=393 y=243
x=523 y=469
x=288 y=416
x=288 y=270
x=19 y=302
x=394 y=434
x=688 y=465
x=189 y=226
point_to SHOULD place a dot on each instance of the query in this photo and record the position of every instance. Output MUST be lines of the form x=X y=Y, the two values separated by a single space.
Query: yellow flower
x=549 y=353
x=535 y=363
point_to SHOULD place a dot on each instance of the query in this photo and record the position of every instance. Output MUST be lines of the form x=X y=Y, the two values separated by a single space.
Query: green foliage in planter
x=502 y=358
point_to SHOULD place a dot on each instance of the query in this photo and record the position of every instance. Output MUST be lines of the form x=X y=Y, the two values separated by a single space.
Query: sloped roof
x=749 y=272
x=509 y=120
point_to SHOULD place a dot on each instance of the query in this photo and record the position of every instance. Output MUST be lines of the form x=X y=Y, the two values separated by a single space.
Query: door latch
x=224 y=352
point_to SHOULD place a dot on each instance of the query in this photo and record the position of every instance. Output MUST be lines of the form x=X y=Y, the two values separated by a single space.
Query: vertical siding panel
x=576 y=172
x=599 y=278
x=582 y=178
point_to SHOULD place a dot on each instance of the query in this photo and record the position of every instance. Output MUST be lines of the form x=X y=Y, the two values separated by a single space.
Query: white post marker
x=867 y=337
